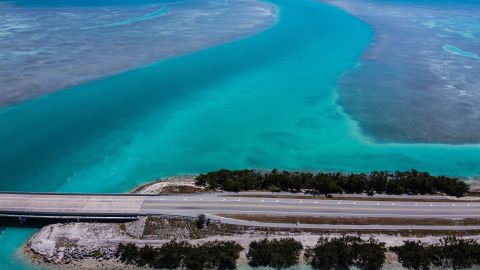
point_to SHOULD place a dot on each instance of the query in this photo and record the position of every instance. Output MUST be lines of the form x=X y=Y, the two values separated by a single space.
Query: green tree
x=344 y=252
x=277 y=253
x=128 y=253
x=222 y=255
x=370 y=255
x=378 y=181
x=196 y=258
x=355 y=183
x=414 y=255
x=331 y=254
x=146 y=255
x=171 y=255
x=459 y=253
x=200 y=221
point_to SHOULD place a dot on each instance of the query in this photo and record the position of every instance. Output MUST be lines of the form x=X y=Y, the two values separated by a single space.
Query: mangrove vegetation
x=337 y=253
x=410 y=182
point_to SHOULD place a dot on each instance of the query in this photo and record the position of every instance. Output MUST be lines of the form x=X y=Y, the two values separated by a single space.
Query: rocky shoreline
x=170 y=185
x=93 y=245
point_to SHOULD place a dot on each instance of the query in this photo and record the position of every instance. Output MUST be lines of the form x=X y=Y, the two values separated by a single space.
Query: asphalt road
x=214 y=204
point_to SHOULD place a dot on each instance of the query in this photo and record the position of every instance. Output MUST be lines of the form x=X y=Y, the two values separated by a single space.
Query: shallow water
x=418 y=81
x=267 y=101
x=50 y=45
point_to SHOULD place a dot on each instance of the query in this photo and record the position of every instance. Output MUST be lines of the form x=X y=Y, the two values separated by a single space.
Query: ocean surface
x=266 y=101
x=49 y=45
x=419 y=81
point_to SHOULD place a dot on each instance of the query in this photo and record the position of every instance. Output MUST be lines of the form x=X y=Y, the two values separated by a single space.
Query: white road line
x=337 y=214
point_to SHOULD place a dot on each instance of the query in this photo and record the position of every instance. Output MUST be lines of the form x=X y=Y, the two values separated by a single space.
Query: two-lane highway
x=192 y=205
x=133 y=206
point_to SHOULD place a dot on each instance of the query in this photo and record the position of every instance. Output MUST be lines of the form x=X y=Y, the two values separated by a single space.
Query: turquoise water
x=267 y=101
x=457 y=51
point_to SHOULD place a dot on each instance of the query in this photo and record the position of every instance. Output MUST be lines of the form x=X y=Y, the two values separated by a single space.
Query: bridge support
x=22 y=220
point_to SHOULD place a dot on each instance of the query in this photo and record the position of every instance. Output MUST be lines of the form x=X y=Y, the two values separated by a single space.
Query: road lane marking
x=336 y=214
x=196 y=206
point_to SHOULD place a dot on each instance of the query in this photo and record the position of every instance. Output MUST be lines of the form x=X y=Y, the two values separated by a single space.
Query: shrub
x=222 y=255
x=171 y=255
x=345 y=252
x=128 y=253
x=414 y=255
x=277 y=253
x=200 y=221
x=451 y=252
x=336 y=253
x=370 y=255
x=457 y=253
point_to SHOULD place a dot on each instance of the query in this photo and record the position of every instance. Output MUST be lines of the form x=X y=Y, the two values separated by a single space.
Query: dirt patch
x=353 y=220
x=162 y=228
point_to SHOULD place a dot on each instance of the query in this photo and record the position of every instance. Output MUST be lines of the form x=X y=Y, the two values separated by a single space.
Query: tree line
x=450 y=253
x=397 y=183
x=339 y=253
x=174 y=255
